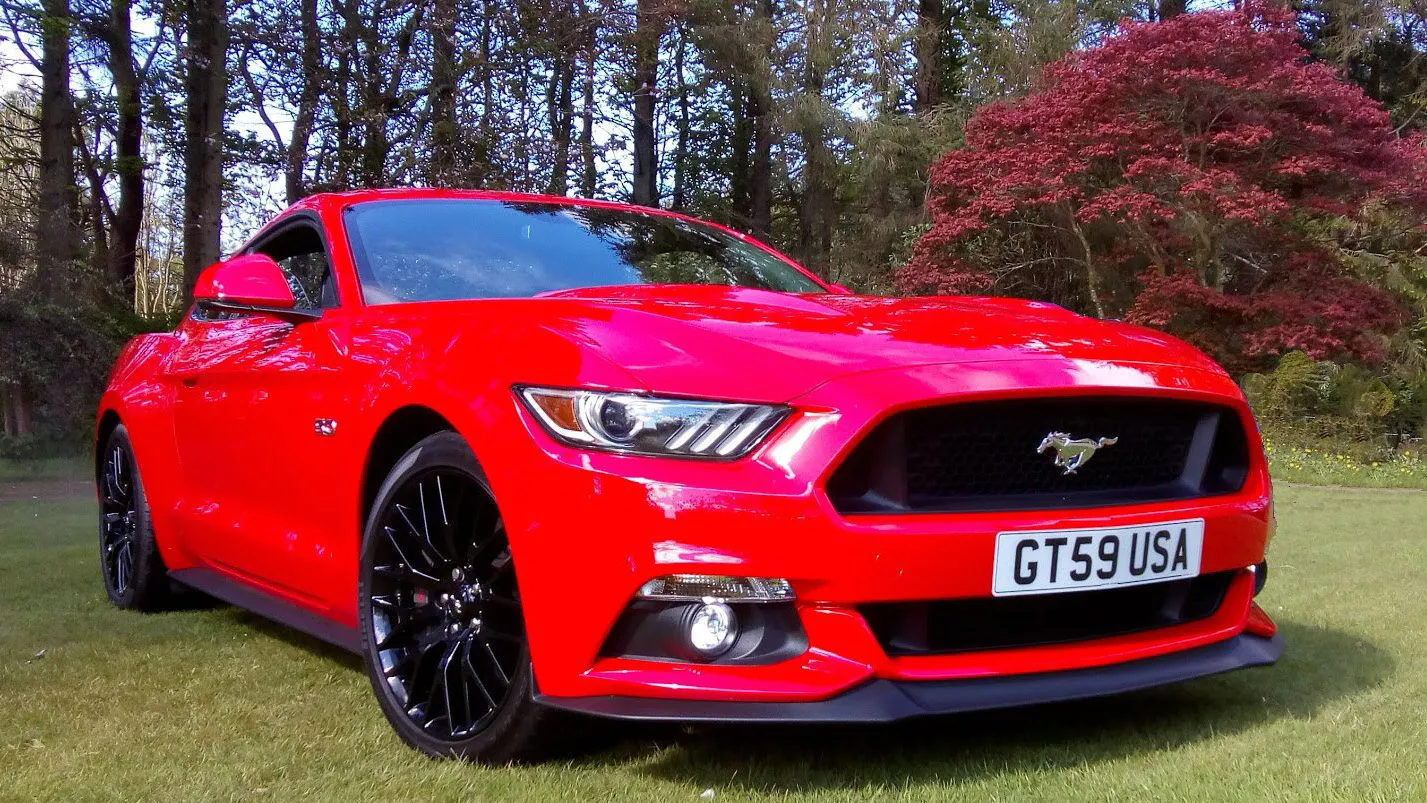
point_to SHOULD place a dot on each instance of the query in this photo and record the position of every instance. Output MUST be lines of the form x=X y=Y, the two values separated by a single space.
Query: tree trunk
x=681 y=149
x=741 y=146
x=128 y=147
x=15 y=410
x=445 y=136
x=1172 y=8
x=931 y=68
x=7 y=413
x=296 y=169
x=24 y=423
x=560 y=109
x=760 y=110
x=376 y=144
x=206 y=91
x=815 y=218
x=589 y=176
x=58 y=245
x=649 y=29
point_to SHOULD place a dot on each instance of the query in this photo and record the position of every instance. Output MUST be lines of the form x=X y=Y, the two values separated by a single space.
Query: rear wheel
x=442 y=629
x=134 y=573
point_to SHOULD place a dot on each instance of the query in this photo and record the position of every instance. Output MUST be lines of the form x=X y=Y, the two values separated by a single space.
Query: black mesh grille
x=992 y=623
x=983 y=456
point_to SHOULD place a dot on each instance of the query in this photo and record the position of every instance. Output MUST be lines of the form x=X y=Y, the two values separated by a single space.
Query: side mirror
x=250 y=283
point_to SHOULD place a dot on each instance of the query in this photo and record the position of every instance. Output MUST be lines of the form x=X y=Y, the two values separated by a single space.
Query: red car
x=531 y=456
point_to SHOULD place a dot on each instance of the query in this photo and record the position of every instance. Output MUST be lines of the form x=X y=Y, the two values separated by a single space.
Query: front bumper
x=888 y=701
x=588 y=529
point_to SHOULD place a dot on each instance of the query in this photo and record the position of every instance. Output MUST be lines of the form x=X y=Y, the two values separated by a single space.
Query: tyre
x=443 y=635
x=134 y=573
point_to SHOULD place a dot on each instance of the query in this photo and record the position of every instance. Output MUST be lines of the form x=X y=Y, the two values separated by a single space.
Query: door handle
x=190 y=381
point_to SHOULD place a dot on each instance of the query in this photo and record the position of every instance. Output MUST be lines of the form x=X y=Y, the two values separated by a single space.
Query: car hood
x=758 y=345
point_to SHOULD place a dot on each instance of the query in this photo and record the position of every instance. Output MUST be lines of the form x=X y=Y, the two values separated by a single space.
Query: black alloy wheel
x=442 y=630
x=134 y=573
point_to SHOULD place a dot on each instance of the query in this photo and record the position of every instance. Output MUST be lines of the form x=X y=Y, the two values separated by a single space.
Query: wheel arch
x=108 y=422
x=402 y=429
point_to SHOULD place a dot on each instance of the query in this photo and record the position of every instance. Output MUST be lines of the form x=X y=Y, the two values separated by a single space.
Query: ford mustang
x=536 y=458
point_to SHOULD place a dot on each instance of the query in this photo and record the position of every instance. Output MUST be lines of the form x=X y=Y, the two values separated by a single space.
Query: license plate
x=1053 y=561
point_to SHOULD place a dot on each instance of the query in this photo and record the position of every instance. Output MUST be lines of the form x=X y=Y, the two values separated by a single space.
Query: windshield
x=436 y=250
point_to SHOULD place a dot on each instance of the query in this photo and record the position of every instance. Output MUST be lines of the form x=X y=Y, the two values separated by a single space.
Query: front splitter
x=889 y=701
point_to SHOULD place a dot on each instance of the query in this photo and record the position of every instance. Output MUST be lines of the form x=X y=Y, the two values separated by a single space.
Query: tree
x=1166 y=176
x=58 y=244
x=205 y=95
x=128 y=139
x=1381 y=45
x=651 y=19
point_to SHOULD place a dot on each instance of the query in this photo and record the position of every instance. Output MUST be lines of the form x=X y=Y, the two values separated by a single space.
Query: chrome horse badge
x=1072 y=453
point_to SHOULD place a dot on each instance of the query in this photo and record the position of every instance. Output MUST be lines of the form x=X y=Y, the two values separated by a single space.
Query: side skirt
x=269 y=607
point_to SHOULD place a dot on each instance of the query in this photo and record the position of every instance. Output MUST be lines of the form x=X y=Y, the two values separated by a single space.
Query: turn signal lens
x=703 y=587
x=625 y=422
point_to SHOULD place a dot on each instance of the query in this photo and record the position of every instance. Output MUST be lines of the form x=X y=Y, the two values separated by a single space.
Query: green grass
x=216 y=704
x=1321 y=464
x=46 y=468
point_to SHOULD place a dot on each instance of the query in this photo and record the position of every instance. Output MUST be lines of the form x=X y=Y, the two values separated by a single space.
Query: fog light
x=712 y=629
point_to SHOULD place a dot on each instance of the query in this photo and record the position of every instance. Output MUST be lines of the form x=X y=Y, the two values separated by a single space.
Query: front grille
x=983 y=456
x=997 y=623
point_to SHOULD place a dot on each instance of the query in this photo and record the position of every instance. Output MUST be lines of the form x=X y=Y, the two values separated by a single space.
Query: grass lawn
x=47 y=468
x=1324 y=465
x=216 y=704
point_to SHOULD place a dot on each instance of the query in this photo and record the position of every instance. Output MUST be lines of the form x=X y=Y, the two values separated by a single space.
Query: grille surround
x=981 y=456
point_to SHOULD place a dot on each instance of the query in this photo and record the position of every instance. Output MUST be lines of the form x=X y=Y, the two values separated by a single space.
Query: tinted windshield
x=453 y=249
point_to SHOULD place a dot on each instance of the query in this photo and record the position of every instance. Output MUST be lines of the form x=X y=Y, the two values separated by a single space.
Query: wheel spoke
x=495 y=664
x=423 y=543
x=124 y=564
x=469 y=669
x=426 y=525
x=119 y=514
x=444 y=604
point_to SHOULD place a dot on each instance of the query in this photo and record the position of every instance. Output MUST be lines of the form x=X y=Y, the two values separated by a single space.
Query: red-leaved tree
x=1173 y=176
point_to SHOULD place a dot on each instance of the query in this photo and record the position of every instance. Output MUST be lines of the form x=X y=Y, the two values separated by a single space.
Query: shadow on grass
x=1320 y=666
x=297 y=638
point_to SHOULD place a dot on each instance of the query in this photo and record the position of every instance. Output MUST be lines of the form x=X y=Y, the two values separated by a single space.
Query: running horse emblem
x=1072 y=453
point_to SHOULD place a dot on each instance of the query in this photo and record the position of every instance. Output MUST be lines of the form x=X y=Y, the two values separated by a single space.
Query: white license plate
x=1052 y=561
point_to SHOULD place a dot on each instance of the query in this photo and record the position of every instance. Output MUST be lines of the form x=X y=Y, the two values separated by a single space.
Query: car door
x=253 y=393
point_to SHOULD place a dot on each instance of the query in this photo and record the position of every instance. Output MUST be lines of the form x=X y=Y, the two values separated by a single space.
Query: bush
x=1314 y=407
x=55 y=360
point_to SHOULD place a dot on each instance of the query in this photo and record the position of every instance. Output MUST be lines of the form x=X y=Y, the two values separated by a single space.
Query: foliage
x=1378 y=44
x=58 y=356
x=1167 y=176
x=1373 y=416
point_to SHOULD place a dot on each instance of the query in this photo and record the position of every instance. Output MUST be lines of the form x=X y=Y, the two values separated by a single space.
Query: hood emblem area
x=1072 y=453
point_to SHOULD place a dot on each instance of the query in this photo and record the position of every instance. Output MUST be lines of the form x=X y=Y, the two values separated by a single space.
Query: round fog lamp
x=712 y=629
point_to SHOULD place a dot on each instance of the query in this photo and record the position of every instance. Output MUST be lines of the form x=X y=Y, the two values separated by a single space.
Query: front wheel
x=442 y=630
x=134 y=573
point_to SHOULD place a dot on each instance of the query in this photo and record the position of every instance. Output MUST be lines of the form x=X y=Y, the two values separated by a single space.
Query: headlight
x=626 y=422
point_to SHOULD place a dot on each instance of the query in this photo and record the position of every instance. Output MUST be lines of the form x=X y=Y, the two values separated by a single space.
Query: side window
x=299 y=252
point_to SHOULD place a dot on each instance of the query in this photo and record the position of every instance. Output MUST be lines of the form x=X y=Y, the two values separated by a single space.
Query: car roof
x=352 y=197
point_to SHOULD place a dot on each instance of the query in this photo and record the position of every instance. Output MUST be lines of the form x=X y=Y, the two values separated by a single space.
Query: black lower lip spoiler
x=889 y=701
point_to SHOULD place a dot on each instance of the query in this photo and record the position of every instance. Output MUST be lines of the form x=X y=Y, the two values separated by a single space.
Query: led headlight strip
x=652 y=425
